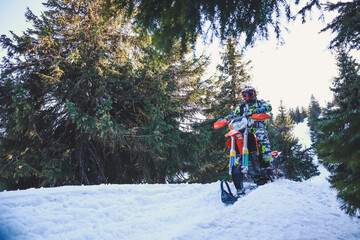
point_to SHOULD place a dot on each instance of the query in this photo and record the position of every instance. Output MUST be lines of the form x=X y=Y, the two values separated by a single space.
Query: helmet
x=248 y=93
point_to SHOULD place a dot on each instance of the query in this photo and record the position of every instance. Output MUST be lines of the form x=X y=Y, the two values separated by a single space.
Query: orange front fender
x=239 y=143
x=232 y=133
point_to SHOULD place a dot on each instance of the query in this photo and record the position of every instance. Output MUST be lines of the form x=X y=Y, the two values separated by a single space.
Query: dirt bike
x=245 y=158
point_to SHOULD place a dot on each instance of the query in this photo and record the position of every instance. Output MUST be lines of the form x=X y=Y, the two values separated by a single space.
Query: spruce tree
x=339 y=141
x=171 y=20
x=303 y=113
x=86 y=100
x=283 y=126
x=220 y=101
x=297 y=163
x=292 y=114
x=345 y=24
x=296 y=115
x=232 y=79
x=314 y=113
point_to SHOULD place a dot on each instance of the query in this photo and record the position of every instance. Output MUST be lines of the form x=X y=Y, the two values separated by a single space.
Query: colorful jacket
x=246 y=109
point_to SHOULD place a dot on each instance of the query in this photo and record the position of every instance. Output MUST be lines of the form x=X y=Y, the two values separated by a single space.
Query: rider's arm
x=236 y=113
x=264 y=107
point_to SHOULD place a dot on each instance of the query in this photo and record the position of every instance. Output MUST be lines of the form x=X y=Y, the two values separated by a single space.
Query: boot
x=240 y=192
x=237 y=177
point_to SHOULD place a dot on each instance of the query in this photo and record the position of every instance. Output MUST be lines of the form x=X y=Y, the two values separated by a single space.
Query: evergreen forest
x=109 y=91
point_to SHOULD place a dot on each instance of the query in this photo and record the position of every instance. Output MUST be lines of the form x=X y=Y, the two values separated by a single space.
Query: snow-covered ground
x=278 y=210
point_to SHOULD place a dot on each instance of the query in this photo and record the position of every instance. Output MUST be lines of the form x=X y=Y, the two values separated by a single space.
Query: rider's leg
x=265 y=155
x=264 y=144
x=238 y=180
x=237 y=177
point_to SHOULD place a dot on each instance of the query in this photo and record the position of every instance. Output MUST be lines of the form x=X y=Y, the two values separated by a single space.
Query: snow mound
x=279 y=210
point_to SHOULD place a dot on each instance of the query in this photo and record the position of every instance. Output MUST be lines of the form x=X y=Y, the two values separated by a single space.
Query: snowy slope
x=278 y=210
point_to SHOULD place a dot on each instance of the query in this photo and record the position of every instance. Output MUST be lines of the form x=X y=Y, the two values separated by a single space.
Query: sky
x=291 y=72
x=12 y=14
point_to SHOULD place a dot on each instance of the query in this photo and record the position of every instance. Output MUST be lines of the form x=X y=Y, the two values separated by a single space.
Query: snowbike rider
x=252 y=106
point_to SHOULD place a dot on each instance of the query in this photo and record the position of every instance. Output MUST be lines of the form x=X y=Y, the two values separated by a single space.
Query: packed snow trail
x=279 y=210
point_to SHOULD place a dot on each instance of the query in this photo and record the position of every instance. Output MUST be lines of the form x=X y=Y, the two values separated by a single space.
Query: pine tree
x=296 y=115
x=338 y=144
x=297 y=164
x=303 y=113
x=283 y=125
x=86 y=100
x=232 y=78
x=314 y=113
x=185 y=20
x=292 y=114
x=345 y=25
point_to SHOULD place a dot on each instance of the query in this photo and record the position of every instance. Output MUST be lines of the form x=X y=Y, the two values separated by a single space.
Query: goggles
x=248 y=94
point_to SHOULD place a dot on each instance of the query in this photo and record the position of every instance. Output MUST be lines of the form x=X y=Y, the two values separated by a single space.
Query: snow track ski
x=228 y=198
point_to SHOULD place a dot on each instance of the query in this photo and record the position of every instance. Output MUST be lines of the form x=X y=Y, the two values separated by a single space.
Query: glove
x=261 y=110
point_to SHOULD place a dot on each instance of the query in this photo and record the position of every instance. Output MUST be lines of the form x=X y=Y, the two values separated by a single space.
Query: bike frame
x=245 y=151
x=233 y=134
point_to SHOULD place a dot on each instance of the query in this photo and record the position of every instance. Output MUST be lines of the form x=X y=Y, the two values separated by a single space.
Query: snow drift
x=279 y=210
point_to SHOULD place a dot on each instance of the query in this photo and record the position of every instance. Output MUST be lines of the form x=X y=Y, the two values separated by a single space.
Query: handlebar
x=219 y=124
x=258 y=117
